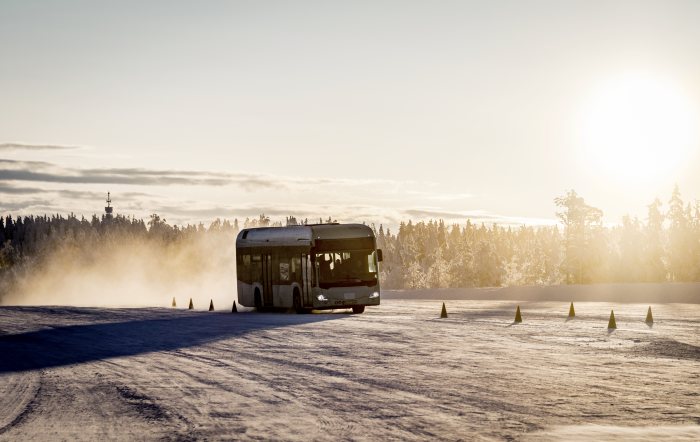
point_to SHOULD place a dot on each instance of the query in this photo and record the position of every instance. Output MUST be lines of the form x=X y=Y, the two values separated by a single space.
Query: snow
x=395 y=372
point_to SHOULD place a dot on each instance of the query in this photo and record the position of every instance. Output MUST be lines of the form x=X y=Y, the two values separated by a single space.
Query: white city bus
x=318 y=266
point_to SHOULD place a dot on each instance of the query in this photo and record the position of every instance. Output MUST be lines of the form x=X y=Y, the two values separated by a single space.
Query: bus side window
x=255 y=268
x=372 y=263
x=284 y=268
x=295 y=267
x=308 y=269
x=243 y=267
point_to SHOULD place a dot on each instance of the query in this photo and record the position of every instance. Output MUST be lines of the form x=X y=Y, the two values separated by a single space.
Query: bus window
x=325 y=265
x=244 y=267
x=255 y=268
x=347 y=268
x=311 y=270
x=295 y=267
x=284 y=270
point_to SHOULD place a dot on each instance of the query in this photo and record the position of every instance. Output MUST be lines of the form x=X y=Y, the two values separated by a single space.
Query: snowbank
x=688 y=293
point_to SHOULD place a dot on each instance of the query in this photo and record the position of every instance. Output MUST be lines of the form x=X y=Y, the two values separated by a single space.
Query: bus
x=305 y=267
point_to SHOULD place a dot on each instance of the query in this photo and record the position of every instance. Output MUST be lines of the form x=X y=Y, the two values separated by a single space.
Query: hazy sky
x=367 y=111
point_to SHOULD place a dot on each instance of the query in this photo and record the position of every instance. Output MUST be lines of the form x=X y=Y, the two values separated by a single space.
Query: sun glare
x=638 y=129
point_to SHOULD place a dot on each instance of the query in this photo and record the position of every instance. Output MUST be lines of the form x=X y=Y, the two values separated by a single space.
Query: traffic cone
x=572 y=313
x=234 y=309
x=211 y=305
x=174 y=304
x=191 y=305
x=518 y=318
x=443 y=313
x=650 y=318
x=611 y=323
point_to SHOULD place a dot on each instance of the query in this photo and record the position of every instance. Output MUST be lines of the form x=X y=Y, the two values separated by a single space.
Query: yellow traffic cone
x=191 y=305
x=572 y=313
x=518 y=318
x=174 y=304
x=611 y=323
x=211 y=305
x=234 y=309
x=650 y=318
x=443 y=313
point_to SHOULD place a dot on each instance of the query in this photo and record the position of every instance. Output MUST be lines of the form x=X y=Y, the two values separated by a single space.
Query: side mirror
x=380 y=255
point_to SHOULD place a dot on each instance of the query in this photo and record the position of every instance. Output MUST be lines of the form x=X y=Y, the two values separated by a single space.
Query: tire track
x=30 y=396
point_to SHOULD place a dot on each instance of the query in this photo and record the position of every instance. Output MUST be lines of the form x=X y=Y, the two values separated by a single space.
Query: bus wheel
x=296 y=300
x=257 y=299
x=358 y=309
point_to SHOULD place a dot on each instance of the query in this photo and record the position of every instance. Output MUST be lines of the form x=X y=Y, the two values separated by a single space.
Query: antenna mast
x=109 y=208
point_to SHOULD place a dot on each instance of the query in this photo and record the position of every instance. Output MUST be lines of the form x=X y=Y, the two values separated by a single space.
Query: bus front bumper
x=345 y=297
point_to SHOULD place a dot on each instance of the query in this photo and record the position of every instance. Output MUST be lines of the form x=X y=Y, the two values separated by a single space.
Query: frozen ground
x=395 y=372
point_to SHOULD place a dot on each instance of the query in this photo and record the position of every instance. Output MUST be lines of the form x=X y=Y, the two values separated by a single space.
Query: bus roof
x=302 y=235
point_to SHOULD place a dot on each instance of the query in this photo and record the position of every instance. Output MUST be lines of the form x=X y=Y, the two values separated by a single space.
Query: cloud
x=39 y=171
x=11 y=190
x=18 y=146
x=439 y=196
x=237 y=212
x=40 y=195
x=343 y=213
x=100 y=196
x=107 y=176
x=15 y=206
x=439 y=214
x=475 y=216
x=340 y=198
x=20 y=164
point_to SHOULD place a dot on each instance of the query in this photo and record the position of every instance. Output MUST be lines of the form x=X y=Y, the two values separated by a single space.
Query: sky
x=374 y=111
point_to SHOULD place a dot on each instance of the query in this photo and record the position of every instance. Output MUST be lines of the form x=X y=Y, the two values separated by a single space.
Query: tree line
x=665 y=246
x=580 y=250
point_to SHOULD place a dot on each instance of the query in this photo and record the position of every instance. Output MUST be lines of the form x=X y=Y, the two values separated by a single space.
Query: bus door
x=267 y=279
x=307 y=279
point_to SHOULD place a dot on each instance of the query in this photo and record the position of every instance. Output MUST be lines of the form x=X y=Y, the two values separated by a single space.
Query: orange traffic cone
x=234 y=309
x=191 y=305
x=518 y=318
x=174 y=304
x=650 y=318
x=611 y=323
x=572 y=313
x=443 y=313
x=211 y=305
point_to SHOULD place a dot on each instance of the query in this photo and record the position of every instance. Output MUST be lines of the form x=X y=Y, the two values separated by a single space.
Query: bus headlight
x=374 y=295
x=321 y=298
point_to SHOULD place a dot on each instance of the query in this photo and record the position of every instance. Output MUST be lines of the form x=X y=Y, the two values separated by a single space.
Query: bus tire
x=358 y=309
x=257 y=299
x=296 y=301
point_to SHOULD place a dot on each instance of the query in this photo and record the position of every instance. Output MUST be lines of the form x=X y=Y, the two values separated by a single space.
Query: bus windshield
x=347 y=268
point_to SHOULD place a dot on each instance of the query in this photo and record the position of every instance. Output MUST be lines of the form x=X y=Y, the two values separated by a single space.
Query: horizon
x=487 y=221
x=376 y=112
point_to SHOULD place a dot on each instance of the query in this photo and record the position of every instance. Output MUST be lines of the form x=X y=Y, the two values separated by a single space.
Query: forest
x=580 y=249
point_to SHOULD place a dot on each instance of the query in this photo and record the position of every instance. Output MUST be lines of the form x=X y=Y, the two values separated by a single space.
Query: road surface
x=395 y=372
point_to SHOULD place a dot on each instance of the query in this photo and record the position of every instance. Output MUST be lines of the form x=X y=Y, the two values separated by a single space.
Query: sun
x=637 y=129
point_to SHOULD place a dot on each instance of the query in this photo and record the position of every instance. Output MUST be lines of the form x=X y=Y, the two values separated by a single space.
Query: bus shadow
x=75 y=344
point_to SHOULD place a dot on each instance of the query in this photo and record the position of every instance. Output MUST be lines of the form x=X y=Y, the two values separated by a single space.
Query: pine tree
x=680 y=248
x=654 y=268
x=583 y=242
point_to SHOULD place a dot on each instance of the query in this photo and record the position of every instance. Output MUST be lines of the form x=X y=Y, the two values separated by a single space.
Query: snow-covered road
x=395 y=372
